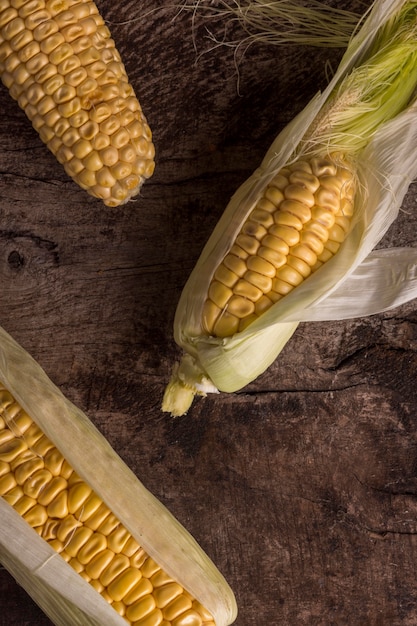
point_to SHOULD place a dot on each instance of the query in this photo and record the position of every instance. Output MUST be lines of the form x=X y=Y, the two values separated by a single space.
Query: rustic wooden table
x=302 y=487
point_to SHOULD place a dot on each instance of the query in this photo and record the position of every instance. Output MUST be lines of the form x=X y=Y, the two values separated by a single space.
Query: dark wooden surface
x=303 y=486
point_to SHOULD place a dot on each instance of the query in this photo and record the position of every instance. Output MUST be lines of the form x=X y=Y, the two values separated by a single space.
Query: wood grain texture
x=303 y=487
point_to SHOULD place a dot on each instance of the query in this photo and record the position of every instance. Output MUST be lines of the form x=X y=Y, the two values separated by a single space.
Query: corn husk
x=62 y=594
x=385 y=162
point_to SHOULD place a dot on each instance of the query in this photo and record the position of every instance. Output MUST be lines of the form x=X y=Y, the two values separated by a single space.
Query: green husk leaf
x=92 y=457
x=367 y=113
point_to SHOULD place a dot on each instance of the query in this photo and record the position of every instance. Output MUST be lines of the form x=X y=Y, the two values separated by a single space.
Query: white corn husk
x=61 y=593
x=385 y=168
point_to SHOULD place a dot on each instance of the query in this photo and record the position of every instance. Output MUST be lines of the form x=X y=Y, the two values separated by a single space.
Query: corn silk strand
x=275 y=22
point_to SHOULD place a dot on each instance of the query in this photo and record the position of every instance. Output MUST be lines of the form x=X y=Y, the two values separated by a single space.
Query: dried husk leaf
x=92 y=457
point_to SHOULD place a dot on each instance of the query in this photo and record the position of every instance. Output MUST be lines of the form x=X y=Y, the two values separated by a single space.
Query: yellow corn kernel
x=274 y=193
x=240 y=306
x=150 y=567
x=272 y=255
x=225 y=324
x=254 y=229
x=98 y=517
x=64 y=50
x=288 y=234
x=167 y=593
x=160 y=578
x=288 y=219
x=262 y=217
x=323 y=167
x=5 y=436
x=77 y=495
x=124 y=583
x=248 y=243
x=12 y=495
x=302 y=267
x=305 y=179
x=258 y=280
x=305 y=253
x=189 y=618
x=312 y=241
x=11 y=449
x=94 y=545
x=247 y=290
x=132 y=548
x=297 y=225
x=266 y=205
x=36 y=483
x=219 y=294
x=235 y=263
x=154 y=618
x=263 y=304
x=4 y=467
x=99 y=563
x=299 y=193
x=58 y=507
x=176 y=607
x=24 y=504
x=109 y=524
x=53 y=461
x=290 y=275
x=36 y=516
x=118 y=538
x=226 y=276
x=261 y=266
x=7 y=483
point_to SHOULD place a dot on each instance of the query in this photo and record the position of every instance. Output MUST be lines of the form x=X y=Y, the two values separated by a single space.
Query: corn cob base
x=42 y=487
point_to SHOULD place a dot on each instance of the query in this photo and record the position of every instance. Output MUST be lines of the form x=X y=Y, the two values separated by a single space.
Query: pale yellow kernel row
x=37 y=481
x=297 y=225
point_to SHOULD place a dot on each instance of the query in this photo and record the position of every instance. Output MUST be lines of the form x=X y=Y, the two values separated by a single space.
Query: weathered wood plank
x=302 y=487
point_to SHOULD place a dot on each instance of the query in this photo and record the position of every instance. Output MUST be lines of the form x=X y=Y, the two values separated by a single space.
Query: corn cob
x=130 y=576
x=300 y=227
x=58 y=60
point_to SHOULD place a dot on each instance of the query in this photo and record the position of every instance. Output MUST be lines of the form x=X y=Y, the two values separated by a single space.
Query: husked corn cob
x=298 y=224
x=43 y=488
x=58 y=60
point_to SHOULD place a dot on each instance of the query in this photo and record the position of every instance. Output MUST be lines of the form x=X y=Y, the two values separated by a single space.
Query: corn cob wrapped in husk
x=79 y=532
x=58 y=60
x=296 y=241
